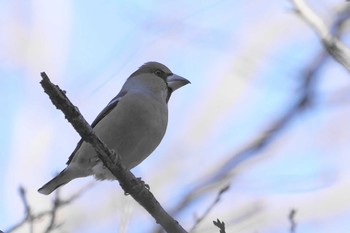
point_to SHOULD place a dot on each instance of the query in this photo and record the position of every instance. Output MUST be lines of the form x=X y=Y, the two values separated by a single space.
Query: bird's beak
x=175 y=81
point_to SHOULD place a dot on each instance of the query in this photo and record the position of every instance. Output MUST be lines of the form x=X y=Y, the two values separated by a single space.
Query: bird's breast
x=134 y=128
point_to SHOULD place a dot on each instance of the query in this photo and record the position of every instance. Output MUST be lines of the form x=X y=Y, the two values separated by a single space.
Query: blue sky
x=245 y=61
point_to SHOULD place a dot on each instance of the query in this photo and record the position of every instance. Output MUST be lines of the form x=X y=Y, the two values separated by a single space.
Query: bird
x=132 y=124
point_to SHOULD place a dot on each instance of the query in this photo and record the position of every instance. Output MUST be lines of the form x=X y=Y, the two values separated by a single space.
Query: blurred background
x=267 y=113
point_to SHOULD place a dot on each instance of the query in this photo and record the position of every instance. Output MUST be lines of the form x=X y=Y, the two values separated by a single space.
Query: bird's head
x=156 y=74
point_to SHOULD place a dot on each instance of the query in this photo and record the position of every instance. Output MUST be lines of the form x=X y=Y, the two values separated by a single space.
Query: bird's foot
x=116 y=158
x=143 y=183
x=139 y=181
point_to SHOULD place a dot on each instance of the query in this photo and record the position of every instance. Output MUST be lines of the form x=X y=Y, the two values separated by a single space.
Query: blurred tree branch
x=30 y=217
x=130 y=184
x=332 y=44
x=291 y=218
x=207 y=211
x=220 y=225
x=303 y=100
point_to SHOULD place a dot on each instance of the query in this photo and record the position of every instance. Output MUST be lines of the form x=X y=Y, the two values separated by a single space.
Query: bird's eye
x=158 y=72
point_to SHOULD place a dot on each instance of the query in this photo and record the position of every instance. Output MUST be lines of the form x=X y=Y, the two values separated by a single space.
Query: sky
x=246 y=61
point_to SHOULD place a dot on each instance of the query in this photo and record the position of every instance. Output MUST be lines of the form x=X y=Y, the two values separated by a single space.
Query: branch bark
x=335 y=47
x=130 y=184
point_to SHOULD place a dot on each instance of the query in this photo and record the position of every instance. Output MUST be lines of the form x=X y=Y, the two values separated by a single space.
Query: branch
x=304 y=99
x=291 y=218
x=30 y=217
x=130 y=184
x=224 y=172
x=332 y=44
x=207 y=211
x=55 y=205
x=220 y=225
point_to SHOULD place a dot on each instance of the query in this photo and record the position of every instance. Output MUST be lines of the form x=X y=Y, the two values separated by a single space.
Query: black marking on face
x=157 y=69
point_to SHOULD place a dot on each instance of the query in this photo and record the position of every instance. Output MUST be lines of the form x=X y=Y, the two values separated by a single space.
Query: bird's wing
x=111 y=105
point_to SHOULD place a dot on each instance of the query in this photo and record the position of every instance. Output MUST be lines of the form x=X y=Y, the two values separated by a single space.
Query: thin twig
x=291 y=218
x=27 y=209
x=55 y=205
x=220 y=225
x=28 y=217
x=332 y=44
x=130 y=184
x=36 y=217
x=209 y=209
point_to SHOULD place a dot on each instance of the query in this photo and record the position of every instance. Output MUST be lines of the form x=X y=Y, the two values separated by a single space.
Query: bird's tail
x=63 y=178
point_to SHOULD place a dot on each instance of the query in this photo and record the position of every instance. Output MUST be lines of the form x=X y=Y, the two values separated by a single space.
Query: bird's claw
x=116 y=158
x=142 y=183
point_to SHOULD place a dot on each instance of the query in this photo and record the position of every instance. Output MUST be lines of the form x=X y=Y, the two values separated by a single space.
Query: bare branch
x=291 y=218
x=58 y=204
x=130 y=184
x=55 y=205
x=303 y=100
x=205 y=214
x=28 y=217
x=332 y=44
x=27 y=209
x=224 y=171
x=220 y=225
